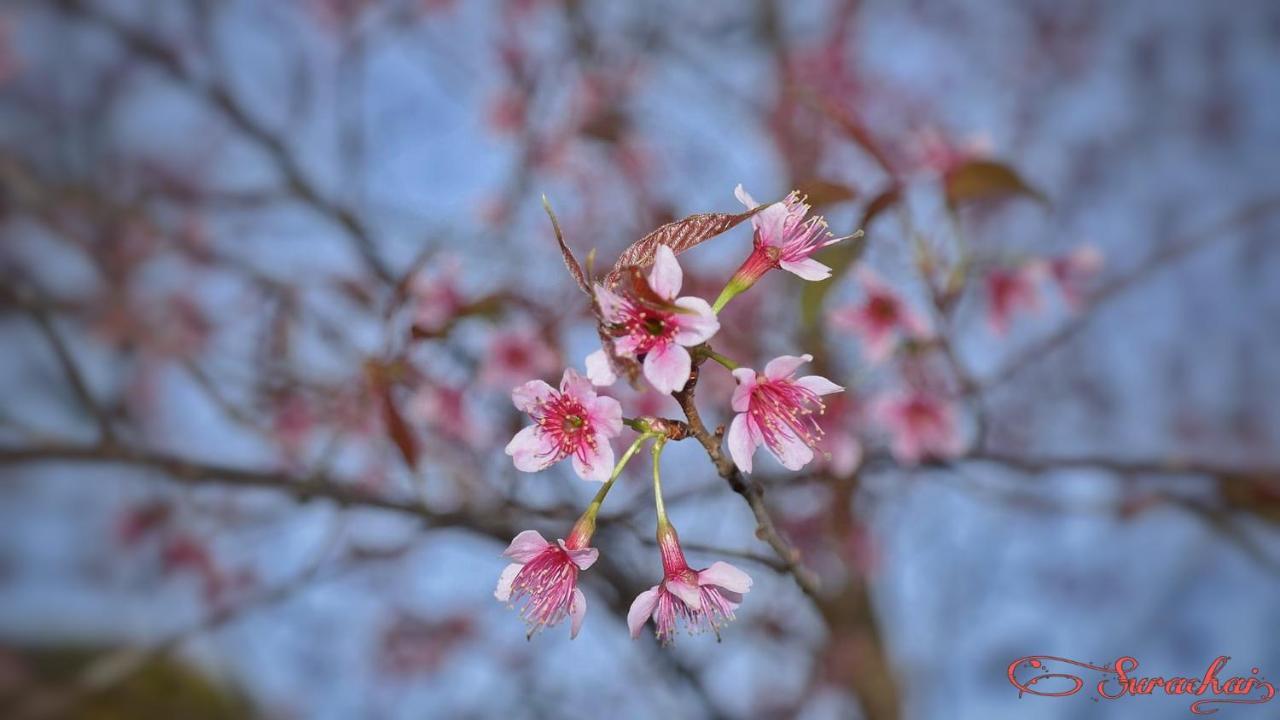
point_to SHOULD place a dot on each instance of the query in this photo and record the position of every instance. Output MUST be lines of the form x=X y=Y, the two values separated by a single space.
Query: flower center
x=883 y=308
x=566 y=422
x=783 y=409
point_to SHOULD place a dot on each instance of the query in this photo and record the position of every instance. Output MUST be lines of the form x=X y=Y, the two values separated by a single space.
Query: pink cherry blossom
x=922 y=425
x=1073 y=270
x=881 y=320
x=785 y=239
x=701 y=599
x=1010 y=290
x=657 y=331
x=515 y=354
x=544 y=577
x=777 y=410
x=572 y=422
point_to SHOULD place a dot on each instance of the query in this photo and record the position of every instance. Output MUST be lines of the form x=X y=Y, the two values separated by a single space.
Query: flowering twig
x=750 y=490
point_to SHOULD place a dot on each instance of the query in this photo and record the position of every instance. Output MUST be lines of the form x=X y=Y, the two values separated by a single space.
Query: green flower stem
x=586 y=525
x=657 y=483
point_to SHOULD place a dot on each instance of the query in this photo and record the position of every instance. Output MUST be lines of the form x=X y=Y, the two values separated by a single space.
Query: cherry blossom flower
x=702 y=599
x=922 y=425
x=1012 y=290
x=544 y=577
x=783 y=238
x=656 y=328
x=777 y=410
x=1073 y=270
x=516 y=354
x=572 y=422
x=881 y=320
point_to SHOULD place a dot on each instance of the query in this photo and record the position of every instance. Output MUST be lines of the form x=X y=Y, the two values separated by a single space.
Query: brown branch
x=219 y=96
x=316 y=487
x=21 y=296
x=750 y=490
x=1167 y=466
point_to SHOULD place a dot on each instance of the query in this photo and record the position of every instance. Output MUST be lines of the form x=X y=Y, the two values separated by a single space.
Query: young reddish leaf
x=570 y=262
x=818 y=192
x=885 y=200
x=986 y=180
x=381 y=379
x=679 y=236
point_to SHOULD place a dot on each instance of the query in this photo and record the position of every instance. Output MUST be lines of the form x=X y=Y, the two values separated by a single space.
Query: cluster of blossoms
x=649 y=327
x=649 y=323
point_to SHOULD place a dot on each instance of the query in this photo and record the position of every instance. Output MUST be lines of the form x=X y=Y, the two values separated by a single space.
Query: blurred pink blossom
x=1072 y=271
x=1010 y=291
x=881 y=320
x=921 y=425
x=515 y=355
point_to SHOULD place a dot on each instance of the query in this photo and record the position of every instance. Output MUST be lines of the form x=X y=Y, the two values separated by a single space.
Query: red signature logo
x=1118 y=681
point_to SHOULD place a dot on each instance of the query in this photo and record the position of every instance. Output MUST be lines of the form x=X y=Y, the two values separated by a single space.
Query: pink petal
x=526 y=546
x=666 y=277
x=771 y=224
x=915 y=324
x=722 y=574
x=818 y=385
x=606 y=416
x=577 y=387
x=584 y=558
x=698 y=326
x=784 y=366
x=508 y=576
x=687 y=592
x=746 y=378
x=599 y=462
x=807 y=269
x=532 y=450
x=791 y=451
x=741 y=445
x=599 y=371
x=667 y=367
x=744 y=197
x=879 y=342
x=626 y=345
x=641 y=610
x=577 y=612
x=610 y=303
x=527 y=396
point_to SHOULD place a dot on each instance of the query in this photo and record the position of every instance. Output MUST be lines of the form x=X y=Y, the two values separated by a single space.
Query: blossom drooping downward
x=652 y=323
x=572 y=422
x=544 y=577
x=777 y=410
x=701 y=599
